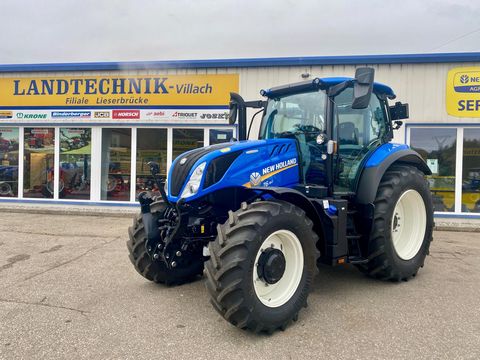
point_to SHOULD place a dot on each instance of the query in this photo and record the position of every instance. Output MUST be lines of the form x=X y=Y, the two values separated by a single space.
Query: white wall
x=420 y=85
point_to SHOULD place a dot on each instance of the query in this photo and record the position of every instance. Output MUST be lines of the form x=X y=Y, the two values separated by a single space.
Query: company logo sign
x=6 y=114
x=214 y=116
x=156 y=114
x=71 y=114
x=184 y=115
x=119 y=90
x=126 y=114
x=27 y=116
x=101 y=114
x=463 y=92
x=255 y=179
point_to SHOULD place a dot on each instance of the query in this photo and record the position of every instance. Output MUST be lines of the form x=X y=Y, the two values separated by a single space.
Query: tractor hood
x=236 y=164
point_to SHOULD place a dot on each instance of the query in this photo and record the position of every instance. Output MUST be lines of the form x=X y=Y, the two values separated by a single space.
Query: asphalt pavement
x=68 y=291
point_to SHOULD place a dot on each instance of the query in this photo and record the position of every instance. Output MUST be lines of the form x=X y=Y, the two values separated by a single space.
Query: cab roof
x=322 y=83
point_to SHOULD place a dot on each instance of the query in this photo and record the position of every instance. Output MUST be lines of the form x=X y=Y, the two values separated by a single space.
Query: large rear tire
x=262 y=265
x=402 y=226
x=156 y=270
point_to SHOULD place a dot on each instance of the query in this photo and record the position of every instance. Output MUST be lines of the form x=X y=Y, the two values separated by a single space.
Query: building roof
x=248 y=62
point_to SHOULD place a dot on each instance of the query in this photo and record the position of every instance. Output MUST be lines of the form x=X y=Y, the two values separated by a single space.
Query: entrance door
x=357 y=132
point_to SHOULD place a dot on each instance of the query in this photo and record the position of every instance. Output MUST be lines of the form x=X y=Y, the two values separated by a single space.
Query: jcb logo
x=101 y=114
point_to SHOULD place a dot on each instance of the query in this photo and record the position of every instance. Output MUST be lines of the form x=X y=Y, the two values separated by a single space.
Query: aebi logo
x=126 y=114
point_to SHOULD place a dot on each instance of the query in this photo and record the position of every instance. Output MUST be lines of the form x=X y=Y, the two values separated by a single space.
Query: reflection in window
x=8 y=162
x=438 y=146
x=220 y=136
x=186 y=139
x=39 y=168
x=151 y=146
x=471 y=171
x=116 y=150
x=75 y=154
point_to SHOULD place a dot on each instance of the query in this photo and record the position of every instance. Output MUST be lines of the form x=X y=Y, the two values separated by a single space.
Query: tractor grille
x=180 y=172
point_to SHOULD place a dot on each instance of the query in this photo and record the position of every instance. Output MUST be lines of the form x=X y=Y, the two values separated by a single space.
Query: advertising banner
x=117 y=91
x=128 y=115
x=463 y=92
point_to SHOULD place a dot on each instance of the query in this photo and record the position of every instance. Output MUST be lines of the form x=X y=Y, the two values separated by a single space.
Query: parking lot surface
x=68 y=290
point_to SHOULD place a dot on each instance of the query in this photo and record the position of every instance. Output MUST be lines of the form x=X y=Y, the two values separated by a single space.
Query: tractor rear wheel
x=155 y=270
x=262 y=265
x=402 y=225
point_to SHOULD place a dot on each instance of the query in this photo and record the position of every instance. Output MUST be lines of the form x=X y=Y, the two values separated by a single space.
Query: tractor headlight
x=193 y=183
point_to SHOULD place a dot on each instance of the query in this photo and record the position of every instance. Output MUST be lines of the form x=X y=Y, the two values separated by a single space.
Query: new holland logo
x=255 y=179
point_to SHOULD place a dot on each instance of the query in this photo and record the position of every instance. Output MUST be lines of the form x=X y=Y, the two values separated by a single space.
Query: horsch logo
x=126 y=114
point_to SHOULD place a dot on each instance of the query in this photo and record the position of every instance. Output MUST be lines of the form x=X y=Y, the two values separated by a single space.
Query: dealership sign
x=463 y=92
x=130 y=116
x=118 y=91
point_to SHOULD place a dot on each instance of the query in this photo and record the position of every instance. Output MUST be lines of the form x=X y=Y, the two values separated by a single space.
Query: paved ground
x=68 y=290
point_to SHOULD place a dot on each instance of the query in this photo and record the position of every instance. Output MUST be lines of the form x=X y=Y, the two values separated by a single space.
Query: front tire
x=402 y=225
x=262 y=265
x=155 y=270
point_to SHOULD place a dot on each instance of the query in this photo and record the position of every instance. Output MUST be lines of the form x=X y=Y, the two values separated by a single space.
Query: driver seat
x=347 y=134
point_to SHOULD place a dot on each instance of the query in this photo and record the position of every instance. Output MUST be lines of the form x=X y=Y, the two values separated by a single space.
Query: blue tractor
x=323 y=184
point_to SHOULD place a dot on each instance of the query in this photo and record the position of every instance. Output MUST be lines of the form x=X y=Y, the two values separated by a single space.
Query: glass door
x=9 y=162
x=471 y=171
x=39 y=179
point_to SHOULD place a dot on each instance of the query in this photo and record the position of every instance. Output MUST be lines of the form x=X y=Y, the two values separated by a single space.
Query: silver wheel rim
x=275 y=295
x=409 y=222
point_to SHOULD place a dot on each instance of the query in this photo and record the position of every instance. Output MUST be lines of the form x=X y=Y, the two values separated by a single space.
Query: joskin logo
x=255 y=179
x=467 y=82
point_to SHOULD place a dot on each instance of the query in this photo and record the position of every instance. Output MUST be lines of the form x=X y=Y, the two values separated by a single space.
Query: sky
x=55 y=31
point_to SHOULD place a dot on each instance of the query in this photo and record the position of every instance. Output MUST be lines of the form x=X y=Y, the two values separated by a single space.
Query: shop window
x=151 y=146
x=186 y=139
x=220 y=136
x=75 y=157
x=8 y=162
x=438 y=146
x=471 y=171
x=116 y=153
x=39 y=167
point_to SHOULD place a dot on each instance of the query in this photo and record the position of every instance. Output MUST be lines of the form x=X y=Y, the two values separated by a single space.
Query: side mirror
x=362 y=88
x=398 y=111
x=154 y=168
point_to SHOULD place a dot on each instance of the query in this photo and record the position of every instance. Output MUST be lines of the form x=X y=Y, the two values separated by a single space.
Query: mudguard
x=376 y=166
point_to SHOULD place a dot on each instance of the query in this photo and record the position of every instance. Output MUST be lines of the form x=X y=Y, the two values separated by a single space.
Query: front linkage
x=177 y=233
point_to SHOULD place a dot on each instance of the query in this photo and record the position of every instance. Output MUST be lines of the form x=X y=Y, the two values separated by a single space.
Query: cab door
x=358 y=132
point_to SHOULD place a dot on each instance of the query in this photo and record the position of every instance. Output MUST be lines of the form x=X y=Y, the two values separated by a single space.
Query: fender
x=385 y=156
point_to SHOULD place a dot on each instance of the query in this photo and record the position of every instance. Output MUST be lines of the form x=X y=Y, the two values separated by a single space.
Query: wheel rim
x=408 y=224
x=277 y=294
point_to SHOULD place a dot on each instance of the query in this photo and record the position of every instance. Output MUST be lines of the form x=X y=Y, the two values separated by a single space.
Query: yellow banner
x=139 y=90
x=463 y=92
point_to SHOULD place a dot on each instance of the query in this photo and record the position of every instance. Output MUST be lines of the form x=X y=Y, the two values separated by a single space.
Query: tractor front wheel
x=262 y=265
x=155 y=270
x=402 y=225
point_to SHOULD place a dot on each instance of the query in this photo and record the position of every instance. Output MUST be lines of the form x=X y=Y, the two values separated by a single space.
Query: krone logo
x=255 y=179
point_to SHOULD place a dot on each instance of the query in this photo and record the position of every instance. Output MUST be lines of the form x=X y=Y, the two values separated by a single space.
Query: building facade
x=83 y=133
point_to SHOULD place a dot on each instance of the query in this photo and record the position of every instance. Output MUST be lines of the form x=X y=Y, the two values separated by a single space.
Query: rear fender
x=374 y=170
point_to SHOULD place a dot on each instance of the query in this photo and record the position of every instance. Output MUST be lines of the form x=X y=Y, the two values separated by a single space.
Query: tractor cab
x=337 y=124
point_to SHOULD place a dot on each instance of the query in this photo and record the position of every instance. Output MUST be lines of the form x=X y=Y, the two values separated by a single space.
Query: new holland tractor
x=323 y=184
